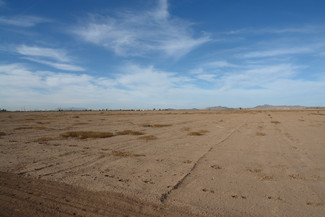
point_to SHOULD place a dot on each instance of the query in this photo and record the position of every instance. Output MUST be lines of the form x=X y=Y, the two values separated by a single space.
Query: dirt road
x=172 y=163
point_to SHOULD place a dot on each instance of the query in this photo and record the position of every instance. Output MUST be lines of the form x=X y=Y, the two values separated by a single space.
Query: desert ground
x=163 y=163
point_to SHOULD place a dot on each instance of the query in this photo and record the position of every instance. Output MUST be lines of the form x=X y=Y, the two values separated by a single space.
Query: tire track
x=50 y=162
x=23 y=196
x=164 y=196
x=74 y=167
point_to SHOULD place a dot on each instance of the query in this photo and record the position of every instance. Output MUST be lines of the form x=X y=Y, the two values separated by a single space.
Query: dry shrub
x=161 y=125
x=264 y=177
x=156 y=125
x=87 y=134
x=80 y=123
x=76 y=116
x=197 y=133
x=44 y=139
x=317 y=113
x=30 y=128
x=40 y=122
x=125 y=154
x=260 y=134
x=275 y=122
x=129 y=132
x=147 y=138
x=2 y=134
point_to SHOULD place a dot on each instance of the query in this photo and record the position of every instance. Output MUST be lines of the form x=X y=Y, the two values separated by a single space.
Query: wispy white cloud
x=57 y=65
x=128 y=89
x=141 y=33
x=39 y=89
x=23 y=20
x=56 y=54
x=56 y=58
x=258 y=75
x=220 y=64
x=277 y=52
x=288 y=30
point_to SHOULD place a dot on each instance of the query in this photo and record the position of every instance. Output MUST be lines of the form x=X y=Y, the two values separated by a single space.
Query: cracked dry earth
x=163 y=163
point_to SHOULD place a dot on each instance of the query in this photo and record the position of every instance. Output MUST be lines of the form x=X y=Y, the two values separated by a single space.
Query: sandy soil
x=163 y=163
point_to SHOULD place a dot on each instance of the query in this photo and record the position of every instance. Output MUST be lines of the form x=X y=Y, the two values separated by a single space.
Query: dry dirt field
x=163 y=163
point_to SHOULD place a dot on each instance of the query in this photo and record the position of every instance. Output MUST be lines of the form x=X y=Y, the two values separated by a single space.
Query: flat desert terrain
x=163 y=163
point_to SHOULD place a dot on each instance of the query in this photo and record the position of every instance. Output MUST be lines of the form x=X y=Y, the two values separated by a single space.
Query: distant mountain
x=266 y=106
x=219 y=108
x=71 y=109
x=279 y=107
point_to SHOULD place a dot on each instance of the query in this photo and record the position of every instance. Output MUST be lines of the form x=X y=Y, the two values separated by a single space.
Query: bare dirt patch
x=227 y=171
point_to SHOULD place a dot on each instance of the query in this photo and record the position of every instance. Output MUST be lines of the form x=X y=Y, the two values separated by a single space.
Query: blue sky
x=145 y=54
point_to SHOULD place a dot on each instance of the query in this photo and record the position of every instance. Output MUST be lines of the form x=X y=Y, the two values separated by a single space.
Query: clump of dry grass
x=317 y=113
x=76 y=116
x=260 y=134
x=147 y=138
x=129 y=132
x=80 y=123
x=156 y=125
x=197 y=133
x=87 y=134
x=2 y=134
x=264 y=177
x=254 y=170
x=125 y=154
x=43 y=139
x=161 y=125
x=30 y=128
x=275 y=122
x=40 y=122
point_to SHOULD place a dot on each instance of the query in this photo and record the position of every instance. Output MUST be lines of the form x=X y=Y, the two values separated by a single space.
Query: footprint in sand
x=217 y=167
x=260 y=175
x=148 y=181
x=297 y=176
x=235 y=196
x=208 y=190
x=274 y=198
x=315 y=204
x=187 y=162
